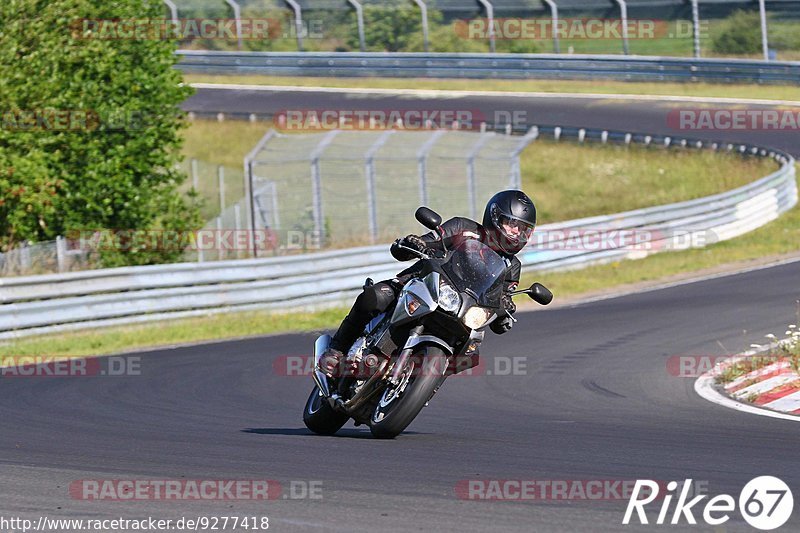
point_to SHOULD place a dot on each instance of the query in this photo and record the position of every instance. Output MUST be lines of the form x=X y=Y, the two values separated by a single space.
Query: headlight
x=449 y=300
x=476 y=317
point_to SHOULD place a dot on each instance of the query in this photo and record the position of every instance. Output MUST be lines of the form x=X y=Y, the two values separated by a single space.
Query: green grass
x=617 y=177
x=766 y=92
x=566 y=180
x=778 y=237
x=781 y=236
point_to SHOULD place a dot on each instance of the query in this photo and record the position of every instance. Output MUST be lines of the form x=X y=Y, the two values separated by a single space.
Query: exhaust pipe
x=320 y=345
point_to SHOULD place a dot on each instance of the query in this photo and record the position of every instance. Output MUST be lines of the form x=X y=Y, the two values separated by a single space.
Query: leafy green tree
x=389 y=29
x=90 y=131
x=738 y=34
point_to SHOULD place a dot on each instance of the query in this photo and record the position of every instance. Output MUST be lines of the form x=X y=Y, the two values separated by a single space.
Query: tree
x=389 y=29
x=738 y=34
x=90 y=132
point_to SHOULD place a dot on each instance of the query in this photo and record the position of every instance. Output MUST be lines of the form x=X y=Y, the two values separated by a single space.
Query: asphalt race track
x=596 y=399
x=628 y=115
x=597 y=402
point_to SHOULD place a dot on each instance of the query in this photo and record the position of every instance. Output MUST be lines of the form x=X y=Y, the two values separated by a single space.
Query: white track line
x=441 y=93
x=704 y=386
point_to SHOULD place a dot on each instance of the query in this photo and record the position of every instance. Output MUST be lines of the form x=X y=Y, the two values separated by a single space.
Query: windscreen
x=477 y=269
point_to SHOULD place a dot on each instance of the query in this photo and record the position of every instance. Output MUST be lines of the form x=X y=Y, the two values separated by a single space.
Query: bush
x=738 y=34
x=113 y=166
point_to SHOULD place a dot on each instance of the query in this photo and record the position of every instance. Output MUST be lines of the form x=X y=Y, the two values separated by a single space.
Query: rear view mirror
x=428 y=218
x=540 y=294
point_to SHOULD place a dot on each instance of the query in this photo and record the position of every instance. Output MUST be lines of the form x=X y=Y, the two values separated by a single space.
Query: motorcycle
x=404 y=355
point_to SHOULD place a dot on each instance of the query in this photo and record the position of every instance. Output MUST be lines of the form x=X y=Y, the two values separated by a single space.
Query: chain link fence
x=656 y=27
x=347 y=188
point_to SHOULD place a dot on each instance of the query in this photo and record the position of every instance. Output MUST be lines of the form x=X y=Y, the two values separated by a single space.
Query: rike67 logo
x=765 y=503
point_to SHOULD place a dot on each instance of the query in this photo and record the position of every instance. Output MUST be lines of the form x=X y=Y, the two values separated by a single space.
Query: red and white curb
x=773 y=390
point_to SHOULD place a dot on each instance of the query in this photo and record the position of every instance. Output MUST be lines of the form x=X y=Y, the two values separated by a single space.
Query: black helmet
x=509 y=219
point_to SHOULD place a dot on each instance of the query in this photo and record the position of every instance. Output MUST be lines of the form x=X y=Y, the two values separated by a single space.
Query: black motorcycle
x=434 y=331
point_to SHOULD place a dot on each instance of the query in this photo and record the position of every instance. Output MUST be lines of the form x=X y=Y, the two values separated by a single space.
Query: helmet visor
x=512 y=228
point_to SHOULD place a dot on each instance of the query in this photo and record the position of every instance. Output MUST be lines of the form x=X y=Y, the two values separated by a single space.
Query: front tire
x=320 y=417
x=398 y=406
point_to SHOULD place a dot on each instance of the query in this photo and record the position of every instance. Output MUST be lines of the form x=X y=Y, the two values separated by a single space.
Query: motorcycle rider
x=508 y=222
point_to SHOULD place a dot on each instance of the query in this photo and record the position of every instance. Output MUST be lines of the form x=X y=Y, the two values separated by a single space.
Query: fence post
x=218 y=239
x=173 y=9
x=472 y=185
x=298 y=22
x=360 y=20
x=554 y=18
x=237 y=224
x=61 y=254
x=249 y=159
x=764 y=40
x=422 y=160
x=221 y=180
x=515 y=180
x=490 y=15
x=316 y=182
x=623 y=15
x=369 y=171
x=194 y=173
x=237 y=14
x=424 y=9
x=696 y=26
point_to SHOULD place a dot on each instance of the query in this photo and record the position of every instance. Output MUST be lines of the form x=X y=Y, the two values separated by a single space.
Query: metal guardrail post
x=237 y=14
x=490 y=15
x=424 y=9
x=249 y=159
x=422 y=164
x=623 y=15
x=316 y=182
x=696 y=26
x=173 y=9
x=764 y=39
x=472 y=185
x=298 y=22
x=369 y=171
x=554 y=22
x=360 y=20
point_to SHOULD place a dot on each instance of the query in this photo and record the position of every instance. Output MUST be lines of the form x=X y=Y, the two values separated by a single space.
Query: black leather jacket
x=455 y=230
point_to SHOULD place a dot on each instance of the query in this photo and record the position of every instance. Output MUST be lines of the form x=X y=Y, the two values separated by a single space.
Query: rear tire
x=320 y=417
x=395 y=411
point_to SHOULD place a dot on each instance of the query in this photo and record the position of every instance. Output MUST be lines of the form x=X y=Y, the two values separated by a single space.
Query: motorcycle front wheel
x=398 y=406
x=320 y=417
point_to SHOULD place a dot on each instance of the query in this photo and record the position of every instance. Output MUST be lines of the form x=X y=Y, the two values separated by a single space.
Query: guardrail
x=505 y=66
x=49 y=303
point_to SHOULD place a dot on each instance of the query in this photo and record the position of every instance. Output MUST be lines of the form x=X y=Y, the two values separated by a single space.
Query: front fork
x=402 y=359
